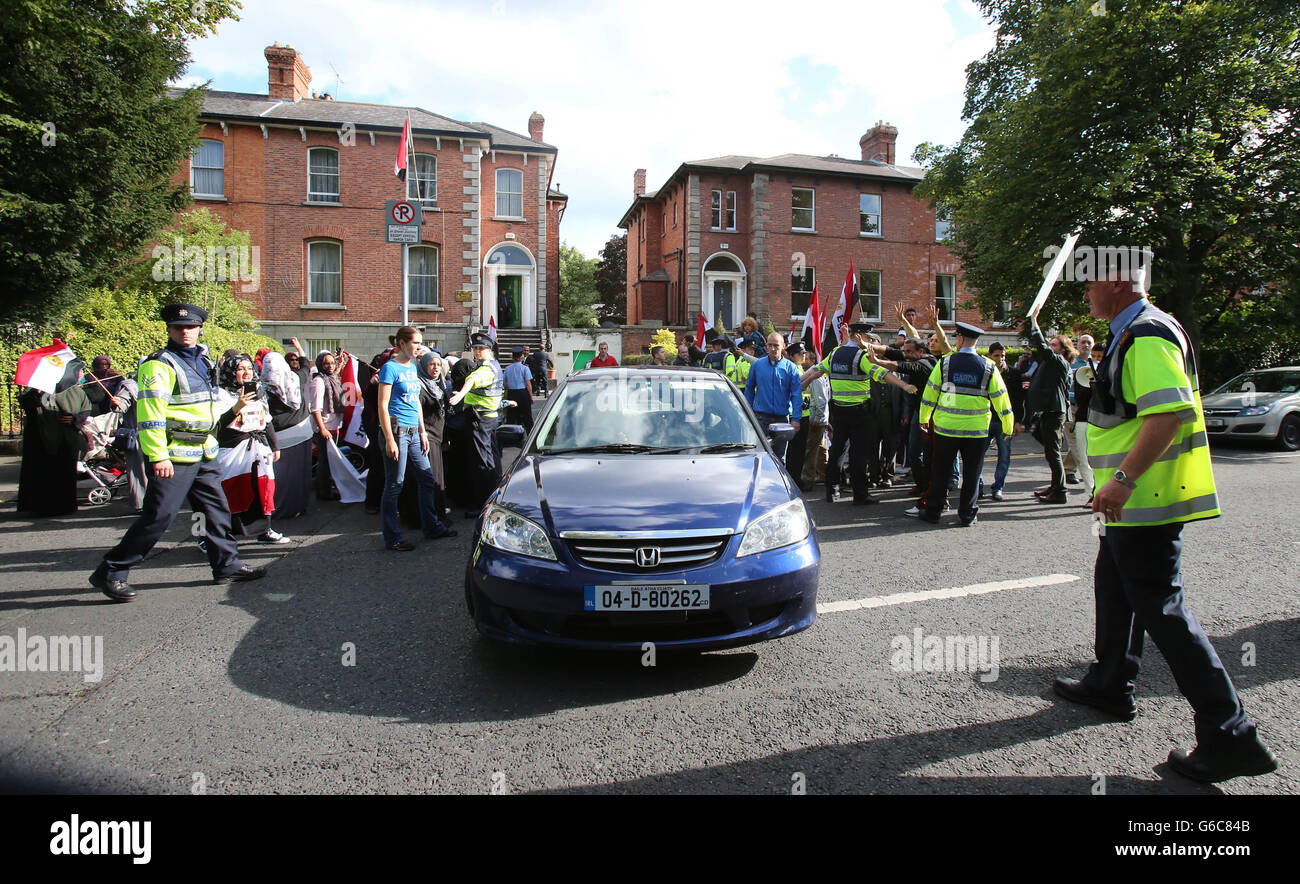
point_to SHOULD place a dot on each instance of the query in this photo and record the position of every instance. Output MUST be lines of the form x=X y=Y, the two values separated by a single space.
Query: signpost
x=402 y=220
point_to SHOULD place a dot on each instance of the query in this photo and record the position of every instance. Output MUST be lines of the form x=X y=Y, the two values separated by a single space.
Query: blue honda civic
x=645 y=506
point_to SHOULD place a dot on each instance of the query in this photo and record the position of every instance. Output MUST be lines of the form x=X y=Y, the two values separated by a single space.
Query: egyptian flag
x=350 y=484
x=353 y=434
x=403 y=149
x=248 y=475
x=705 y=331
x=812 y=325
x=44 y=367
x=492 y=328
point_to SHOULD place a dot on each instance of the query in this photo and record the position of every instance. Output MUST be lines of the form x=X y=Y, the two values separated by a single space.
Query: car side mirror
x=511 y=435
x=781 y=431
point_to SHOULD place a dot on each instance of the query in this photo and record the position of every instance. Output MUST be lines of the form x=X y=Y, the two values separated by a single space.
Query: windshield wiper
x=609 y=448
x=727 y=446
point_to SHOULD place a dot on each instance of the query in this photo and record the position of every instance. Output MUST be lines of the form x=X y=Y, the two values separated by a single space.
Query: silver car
x=1262 y=404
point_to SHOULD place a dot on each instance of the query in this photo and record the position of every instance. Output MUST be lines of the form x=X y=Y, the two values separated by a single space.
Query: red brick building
x=308 y=177
x=734 y=234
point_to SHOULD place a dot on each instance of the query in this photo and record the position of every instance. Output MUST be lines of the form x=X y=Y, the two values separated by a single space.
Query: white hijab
x=278 y=378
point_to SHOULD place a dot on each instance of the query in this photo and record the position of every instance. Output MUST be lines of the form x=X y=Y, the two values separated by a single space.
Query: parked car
x=1262 y=404
x=645 y=506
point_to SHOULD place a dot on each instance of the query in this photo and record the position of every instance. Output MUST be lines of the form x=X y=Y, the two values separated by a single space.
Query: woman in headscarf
x=434 y=393
x=103 y=385
x=248 y=441
x=327 y=418
x=285 y=392
x=52 y=444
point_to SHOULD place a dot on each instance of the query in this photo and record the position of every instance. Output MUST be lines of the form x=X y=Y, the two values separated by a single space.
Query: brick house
x=308 y=177
x=733 y=234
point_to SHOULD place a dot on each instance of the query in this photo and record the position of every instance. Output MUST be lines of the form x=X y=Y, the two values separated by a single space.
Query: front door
x=724 y=294
x=510 y=293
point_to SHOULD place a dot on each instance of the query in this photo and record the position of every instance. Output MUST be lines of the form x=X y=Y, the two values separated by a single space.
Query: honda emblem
x=647 y=556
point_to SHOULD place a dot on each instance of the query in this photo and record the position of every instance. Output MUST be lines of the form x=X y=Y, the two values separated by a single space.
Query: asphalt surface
x=244 y=689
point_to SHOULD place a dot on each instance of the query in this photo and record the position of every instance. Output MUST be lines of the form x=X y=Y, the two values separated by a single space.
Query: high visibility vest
x=851 y=374
x=177 y=409
x=722 y=362
x=487 y=386
x=1152 y=370
x=738 y=371
x=962 y=391
x=807 y=403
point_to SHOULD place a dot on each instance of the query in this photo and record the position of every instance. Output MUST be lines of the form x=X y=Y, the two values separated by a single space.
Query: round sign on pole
x=403 y=213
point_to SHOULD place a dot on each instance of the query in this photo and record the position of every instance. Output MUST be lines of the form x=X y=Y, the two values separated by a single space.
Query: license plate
x=647 y=597
x=1213 y=422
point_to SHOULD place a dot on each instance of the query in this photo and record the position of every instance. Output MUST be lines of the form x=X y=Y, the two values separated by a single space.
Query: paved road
x=244 y=688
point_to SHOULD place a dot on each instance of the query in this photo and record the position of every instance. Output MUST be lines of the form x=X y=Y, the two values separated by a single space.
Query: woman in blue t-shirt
x=405 y=445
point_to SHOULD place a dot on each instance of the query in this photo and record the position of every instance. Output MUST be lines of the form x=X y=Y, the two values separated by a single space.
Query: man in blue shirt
x=518 y=377
x=774 y=391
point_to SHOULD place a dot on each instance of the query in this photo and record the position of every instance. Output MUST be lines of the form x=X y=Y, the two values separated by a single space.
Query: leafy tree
x=611 y=280
x=577 y=289
x=91 y=140
x=1168 y=124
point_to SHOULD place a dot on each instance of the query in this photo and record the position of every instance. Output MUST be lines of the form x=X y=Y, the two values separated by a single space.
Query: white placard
x=1054 y=274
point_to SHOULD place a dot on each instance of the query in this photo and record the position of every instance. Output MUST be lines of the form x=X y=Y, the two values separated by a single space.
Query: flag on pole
x=852 y=294
x=812 y=326
x=403 y=148
x=492 y=328
x=706 y=331
x=353 y=433
x=44 y=367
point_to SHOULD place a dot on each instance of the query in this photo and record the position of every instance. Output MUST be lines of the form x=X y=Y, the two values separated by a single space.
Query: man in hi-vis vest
x=1151 y=459
x=176 y=414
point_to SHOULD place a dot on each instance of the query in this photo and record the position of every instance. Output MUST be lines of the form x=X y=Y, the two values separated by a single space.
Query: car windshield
x=645 y=413
x=1263 y=382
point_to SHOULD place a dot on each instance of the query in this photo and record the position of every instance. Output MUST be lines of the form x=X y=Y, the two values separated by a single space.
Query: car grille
x=1221 y=412
x=620 y=553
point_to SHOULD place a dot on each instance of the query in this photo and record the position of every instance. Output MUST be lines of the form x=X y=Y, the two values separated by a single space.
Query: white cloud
x=626 y=84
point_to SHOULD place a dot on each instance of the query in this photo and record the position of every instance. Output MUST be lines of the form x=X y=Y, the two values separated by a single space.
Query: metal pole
x=405 y=298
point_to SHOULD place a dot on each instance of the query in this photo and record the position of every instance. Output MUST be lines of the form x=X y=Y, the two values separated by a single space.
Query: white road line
x=952 y=592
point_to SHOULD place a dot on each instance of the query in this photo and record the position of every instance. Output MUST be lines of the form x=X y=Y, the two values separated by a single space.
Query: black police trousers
x=852 y=424
x=946 y=449
x=200 y=484
x=487 y=457
x=1138 y=586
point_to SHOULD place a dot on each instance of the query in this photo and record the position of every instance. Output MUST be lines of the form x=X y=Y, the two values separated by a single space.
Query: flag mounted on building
x=44 y=367
x=403 y=150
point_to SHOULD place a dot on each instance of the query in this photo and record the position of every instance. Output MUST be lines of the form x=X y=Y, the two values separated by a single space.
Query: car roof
x=685 y=371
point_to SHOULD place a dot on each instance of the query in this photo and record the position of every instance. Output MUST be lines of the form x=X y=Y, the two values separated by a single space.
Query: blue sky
x=630 y=84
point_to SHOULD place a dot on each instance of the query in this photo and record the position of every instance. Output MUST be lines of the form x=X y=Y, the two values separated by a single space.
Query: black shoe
x=832 y=493
x=1075 y=691
x=243 y=575
x=1072 y=479
x=1251 y=759
x=885 y=483
x=1057 y=497
x=117 y=590
x=966 y=523
x=865 y=500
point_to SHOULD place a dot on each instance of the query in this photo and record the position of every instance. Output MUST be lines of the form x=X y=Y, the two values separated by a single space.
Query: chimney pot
x=288 y=77
x=638 y=183
x=878 y=143
x=535 y=123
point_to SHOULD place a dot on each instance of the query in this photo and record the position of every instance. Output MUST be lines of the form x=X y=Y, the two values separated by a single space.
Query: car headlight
x=513 y=533
x=782 y=526
x=1255 y=410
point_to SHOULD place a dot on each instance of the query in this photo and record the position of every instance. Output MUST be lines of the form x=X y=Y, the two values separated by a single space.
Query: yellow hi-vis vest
x=851 y=374
x=1152 y=370
x=963 y=389
x=487 y=386
x=738 y=371
x=174 y=422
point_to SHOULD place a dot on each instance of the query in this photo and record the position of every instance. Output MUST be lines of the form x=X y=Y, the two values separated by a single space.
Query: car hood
x=1238 y=400
x=645 y=493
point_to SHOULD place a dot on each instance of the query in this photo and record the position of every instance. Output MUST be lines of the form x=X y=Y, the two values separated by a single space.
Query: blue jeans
x=409 y=452
x=1004 y=458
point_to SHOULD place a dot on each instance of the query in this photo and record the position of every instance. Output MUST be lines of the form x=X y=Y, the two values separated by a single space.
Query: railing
x=11 y=417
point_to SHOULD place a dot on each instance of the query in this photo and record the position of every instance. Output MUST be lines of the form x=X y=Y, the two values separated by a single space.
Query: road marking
x=952 y=592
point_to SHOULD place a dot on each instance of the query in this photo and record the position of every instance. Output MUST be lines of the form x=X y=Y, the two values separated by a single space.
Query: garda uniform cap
x=966 y=330
x=183 y=314
x=723 y=340
x=747 y=344
x=479 y=339
x=860 y=327
x=516 y=351
x=795 y=349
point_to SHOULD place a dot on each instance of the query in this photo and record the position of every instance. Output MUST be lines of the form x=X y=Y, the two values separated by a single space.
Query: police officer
x=961 y=391
x=482 y=392
x=176 y=414
x=1151 y=460
x=851 y=371
x=721 y=358
x=738 y=371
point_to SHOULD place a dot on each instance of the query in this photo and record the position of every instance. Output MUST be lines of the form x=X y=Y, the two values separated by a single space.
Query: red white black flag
x=403 y=148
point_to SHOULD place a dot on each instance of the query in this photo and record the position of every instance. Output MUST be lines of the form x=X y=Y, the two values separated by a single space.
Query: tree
x=1149 y=123
x=91 y=139
x=611 y=280
x=577 y=289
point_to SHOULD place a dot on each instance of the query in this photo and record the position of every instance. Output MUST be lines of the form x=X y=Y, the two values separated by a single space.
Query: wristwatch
x=1124 y=480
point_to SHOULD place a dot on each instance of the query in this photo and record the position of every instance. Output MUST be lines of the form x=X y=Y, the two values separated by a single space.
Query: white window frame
x=311 y=299
x=812 y=228
x=939 y=299
x=324 y=196
x=729 y=211
x=194 y=155
x=812 y=280
x=878 y=214
x=879 y=296
x=947 y=225
x=715 y=210
x=437 y=268
x=413 y=179
x=500 y=191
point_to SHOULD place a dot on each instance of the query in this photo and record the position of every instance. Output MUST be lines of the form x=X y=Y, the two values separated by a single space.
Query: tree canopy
x=611 y=280
x=1166 y=124
x=577 y=289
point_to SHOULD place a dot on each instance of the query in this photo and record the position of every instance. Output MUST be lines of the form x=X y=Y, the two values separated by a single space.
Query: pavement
x=350 y=669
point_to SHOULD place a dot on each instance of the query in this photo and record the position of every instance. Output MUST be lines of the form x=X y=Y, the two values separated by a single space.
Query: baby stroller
x=103 y=465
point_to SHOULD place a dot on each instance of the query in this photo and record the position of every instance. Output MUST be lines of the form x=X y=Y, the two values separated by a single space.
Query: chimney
x=288 y=78
x=878 y=143
x=638 y=183
x=535 y=123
